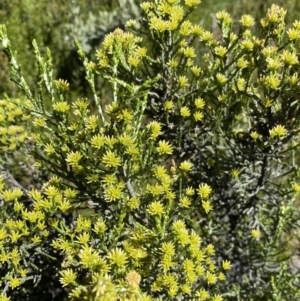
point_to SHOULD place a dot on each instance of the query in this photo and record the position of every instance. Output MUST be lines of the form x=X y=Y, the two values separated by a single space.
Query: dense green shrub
x=186 y=173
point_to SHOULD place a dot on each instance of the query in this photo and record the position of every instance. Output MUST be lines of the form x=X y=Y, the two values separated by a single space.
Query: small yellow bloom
x=36 y=239
x=146 y=6
x=217 y=298
x=254 y=135
x=221 y=78
x=207 y=206
x=189 y=52
x=73 y=158
x=117 y=257
x=294 y=34
x=278 y=131
x=295 y=187
x=23 y=272
x=220 y=51
x=242 y=63
x=196 y=70
x=61 y=107
x=296 y=24
x=49 y=149
x=173 y=63
x=88 y=257
x=130 y=23
x=111 y=160
x=289 y=58
x=134 y=61
x=14 y=282
x=133 y=278
x=247 y=21
x=274 y=63
x=247 y=45
x=91 y=122
x=185 y=202
x=113 y=193
x=198 y=116
x=206 y=36
x=235 y=173
x=211 y=278
x=155 y=129
x=64 y=205
x=226 y=265
x=168 y=105
x=164 y=148
x=186 y=28
x=185 y=166
x=190 y=191
x=11 y=194
x=3 y=234
x=168 y=248
x=83 y=238
x=158 y=24
x=272 y=81
x=221 y=276
x=192 y=3
x=255 y=233
x=202 y=294
x=67 y=277
x=15 y=236
x=182 y=81
x=62 y=85
x=185 y=112
x=199 y=103
x=210 y=249
x=156 y=208
x=99 y=226
x=166 y=263
x=204 y=191
x=241 y=83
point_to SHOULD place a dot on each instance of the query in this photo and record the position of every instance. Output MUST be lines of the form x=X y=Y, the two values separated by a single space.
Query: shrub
x=188 y=171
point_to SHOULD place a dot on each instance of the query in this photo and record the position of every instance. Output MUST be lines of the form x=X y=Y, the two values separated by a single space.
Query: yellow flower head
x=185 y=112
x=155 y=129
x=255 y=233
x=111 y=160
x=207 y=206
x=204 y=191
x=133 y=278
x=164 y=148
x=156 y=208
x=192 y=3
x=278 y=131
x=226 y=265
x=117 y=257
x=247 y=21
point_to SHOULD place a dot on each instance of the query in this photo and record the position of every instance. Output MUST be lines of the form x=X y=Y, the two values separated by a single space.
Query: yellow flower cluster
x=178 y=277
x=204 y=191
x=30 y=225
x=123 y=47
x=13 y=120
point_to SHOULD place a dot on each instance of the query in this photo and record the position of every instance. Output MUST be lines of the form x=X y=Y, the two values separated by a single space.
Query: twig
x=128 y=184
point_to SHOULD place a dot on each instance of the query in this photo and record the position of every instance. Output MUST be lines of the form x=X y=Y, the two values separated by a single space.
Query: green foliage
x=55 y=24
x=187 y=172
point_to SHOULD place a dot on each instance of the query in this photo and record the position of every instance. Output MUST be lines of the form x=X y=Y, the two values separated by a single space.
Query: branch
x=128 y=184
